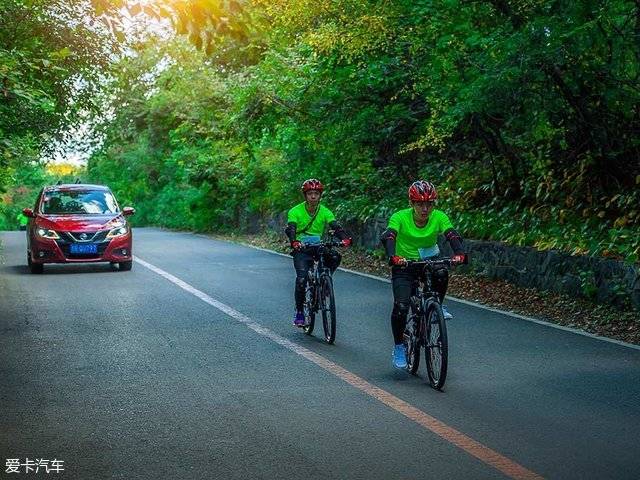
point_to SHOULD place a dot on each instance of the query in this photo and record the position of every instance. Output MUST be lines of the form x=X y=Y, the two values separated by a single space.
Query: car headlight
x=118 y=232
x=46 y=233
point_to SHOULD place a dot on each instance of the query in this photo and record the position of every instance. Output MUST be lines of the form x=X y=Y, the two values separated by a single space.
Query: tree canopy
x=525 y=114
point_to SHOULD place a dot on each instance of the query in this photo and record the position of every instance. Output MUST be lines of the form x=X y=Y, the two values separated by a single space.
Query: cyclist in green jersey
x=306 y=223
x=412 y=234
x=23 y=220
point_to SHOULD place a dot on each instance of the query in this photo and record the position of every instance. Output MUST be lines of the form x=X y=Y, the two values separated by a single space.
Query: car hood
x=80 y=223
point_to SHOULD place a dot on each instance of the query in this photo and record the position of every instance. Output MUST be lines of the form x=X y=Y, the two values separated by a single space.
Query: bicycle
x=319 y=294
x=426 y=327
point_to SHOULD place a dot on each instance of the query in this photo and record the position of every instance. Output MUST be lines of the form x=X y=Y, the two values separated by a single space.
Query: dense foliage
x=526 y=114
x=52 y=56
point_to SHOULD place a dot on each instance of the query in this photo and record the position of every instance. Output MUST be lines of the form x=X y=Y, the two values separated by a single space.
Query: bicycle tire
x=328 y=305
x=309 y=310
x=436 y=349
x=412 y=341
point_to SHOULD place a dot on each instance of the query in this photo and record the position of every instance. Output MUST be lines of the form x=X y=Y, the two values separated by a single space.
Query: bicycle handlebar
x=446 y=262
x=329 y=244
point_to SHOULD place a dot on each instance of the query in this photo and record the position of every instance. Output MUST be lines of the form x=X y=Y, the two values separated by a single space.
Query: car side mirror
x=28 y=212
x=127 y=211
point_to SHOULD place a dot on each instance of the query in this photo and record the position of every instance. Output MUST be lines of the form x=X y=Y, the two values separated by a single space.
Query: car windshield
x=89 y=202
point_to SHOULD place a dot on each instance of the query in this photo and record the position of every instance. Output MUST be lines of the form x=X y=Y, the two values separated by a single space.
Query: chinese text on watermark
x=38 y=465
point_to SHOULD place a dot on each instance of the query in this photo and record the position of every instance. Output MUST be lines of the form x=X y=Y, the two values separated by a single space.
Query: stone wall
x=608 y=281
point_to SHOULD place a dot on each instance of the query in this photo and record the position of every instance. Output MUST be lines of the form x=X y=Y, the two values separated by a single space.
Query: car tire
x=126 y=266
x=34 y=267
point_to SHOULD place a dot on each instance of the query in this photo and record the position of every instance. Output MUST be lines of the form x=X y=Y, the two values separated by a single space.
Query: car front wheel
x=34 y=267
x=126 y=266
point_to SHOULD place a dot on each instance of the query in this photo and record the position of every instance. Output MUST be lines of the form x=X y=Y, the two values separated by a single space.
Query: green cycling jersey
x=411 y=239
x=301 y=217
x=22 y=219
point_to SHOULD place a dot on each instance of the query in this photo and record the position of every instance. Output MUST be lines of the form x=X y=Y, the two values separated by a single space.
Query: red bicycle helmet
x=312 y=184
x=422 y=191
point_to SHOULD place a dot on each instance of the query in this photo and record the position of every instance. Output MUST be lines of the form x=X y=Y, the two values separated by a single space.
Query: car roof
x=75 y=186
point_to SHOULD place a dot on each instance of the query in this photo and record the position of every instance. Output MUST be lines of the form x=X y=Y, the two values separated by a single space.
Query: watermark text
x=36 y=465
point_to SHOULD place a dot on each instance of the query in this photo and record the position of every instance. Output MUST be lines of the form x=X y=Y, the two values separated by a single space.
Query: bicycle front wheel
x=436 y=346
x=309 y=310
x=328 y=308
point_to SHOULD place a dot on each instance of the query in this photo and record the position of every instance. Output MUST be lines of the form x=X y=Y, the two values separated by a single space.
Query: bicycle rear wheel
x=412 y=341
x=309 y=309
x=328 y=305
x=436 y=346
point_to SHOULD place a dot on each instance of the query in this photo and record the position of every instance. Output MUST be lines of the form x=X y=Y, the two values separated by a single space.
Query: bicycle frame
x=423 y=288
x=318 y=269
x=422 y=298
x=319 y=292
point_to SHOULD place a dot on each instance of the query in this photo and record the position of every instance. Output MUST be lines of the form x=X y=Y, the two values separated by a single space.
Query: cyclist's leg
x=302 y=262
x=401 y=281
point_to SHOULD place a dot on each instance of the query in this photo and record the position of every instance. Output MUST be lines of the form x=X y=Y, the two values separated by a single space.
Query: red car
x=78 y=223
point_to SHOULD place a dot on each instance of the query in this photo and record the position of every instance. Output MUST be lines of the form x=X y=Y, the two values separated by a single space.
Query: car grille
x=67 y=238
x=80 y=237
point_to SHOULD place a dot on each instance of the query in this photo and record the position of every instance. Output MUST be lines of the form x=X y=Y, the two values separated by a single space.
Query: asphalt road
x=188 y=367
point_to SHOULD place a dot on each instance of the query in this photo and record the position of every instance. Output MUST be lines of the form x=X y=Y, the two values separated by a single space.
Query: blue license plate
x=84 y=248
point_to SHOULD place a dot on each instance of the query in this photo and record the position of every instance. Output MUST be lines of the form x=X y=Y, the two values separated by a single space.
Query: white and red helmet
x=312 y=184
x=421 y=191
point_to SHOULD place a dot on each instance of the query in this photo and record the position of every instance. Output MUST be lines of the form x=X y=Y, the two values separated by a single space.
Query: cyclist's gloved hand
x=459 y=258
x=296 y=244
x=347 y=242
x=397 y=261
